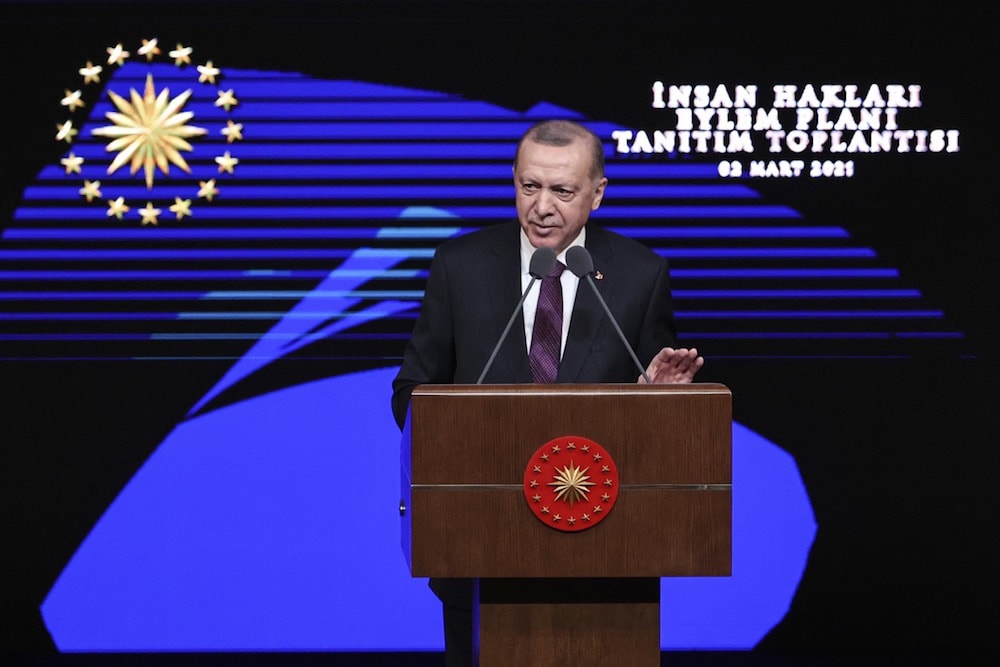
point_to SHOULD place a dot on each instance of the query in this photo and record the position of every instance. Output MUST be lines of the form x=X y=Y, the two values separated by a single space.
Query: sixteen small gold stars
x=571 y=483
x=149 y=130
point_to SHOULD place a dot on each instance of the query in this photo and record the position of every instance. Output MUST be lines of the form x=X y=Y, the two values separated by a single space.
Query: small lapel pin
x=598 y=275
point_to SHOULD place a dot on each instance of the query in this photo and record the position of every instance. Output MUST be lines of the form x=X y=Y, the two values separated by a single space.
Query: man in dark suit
x=476 y=281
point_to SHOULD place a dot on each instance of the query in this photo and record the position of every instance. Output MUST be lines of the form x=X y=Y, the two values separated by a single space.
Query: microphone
x=579 y=261
x=542 y=262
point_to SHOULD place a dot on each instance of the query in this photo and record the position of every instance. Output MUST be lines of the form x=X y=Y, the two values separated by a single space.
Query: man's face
x=555 y=193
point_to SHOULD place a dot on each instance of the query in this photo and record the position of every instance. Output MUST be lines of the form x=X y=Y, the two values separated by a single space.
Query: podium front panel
x=465 y=459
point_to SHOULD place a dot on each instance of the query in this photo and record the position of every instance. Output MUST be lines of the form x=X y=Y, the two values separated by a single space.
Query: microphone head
x=542 y=262
x=579 y=261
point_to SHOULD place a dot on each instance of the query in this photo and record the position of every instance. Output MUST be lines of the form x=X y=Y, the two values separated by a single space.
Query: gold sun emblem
x=149 y=131
x=571 y=483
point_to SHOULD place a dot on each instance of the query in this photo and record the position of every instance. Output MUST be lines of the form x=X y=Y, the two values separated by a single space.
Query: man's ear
x=599 y=194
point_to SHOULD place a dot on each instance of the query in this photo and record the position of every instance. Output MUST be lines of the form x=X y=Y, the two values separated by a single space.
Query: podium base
x=576 y=622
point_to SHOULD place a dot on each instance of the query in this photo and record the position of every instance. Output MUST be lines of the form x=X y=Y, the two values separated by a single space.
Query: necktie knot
x=557 y=270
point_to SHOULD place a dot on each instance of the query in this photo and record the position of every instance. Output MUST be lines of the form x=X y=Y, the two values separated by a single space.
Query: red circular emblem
x=571 y=483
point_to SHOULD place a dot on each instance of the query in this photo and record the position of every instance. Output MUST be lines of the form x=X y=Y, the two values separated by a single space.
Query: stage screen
x=217 y=225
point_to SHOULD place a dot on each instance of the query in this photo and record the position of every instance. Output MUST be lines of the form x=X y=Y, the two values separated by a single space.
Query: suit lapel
x=587 y=311
x=503 y=272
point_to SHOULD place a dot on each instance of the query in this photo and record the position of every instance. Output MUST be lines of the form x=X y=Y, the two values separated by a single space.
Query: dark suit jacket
x=474 y=286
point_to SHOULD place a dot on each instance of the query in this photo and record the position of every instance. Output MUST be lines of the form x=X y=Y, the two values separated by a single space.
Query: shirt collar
x=527 y=250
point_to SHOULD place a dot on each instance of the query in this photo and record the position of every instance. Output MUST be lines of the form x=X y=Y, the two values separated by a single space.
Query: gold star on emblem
x=597 y=509
x=571 y=520
x=571 y=483
x=66 y=132
x=556 y=518
x=608 y=482
x=570 y=445
x=598 y=457
x=544 y=457
x=545 y=509
x=181 y=207
x=606 y=497
x=149 y=214
x=150 y=131
x=533 y=484
x=536 y=498
x=149 y=49
x=555 y=449
x=207 y=189
x=91 y=73
x=605 y=468
x=117 y=54
x=226 y=163
x=72 y=163
x=227 y=99
x=117 y=208
x=585 y=449
x=181 y=55
x=207 y=73
x=585 y=517
x=232 y=131
x=72 y=100
x=536 y=469
x=91 y=190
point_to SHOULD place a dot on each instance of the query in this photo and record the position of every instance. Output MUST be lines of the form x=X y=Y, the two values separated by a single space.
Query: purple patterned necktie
x=546 y=335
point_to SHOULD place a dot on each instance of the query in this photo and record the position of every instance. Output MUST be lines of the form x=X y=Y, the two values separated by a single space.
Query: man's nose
x=545 y=204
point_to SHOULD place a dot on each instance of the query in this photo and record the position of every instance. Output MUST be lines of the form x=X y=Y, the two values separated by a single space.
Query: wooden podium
x=552 y=597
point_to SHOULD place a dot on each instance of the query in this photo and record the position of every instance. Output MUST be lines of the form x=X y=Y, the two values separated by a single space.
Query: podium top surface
x=569 y=389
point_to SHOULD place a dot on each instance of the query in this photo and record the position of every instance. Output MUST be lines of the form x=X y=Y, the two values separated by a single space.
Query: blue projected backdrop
x=304 y=230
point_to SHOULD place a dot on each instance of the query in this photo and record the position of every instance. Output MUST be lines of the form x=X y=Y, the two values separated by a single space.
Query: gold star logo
x=149 y=131
x=555 y=488
x=571 y=483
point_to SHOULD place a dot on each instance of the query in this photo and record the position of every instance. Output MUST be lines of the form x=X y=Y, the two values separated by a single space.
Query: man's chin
x=544 y=237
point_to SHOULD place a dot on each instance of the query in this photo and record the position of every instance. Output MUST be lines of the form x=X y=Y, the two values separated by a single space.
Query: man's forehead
x=567 y=161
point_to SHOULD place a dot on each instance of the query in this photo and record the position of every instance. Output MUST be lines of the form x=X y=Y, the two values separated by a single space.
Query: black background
x=898 y=456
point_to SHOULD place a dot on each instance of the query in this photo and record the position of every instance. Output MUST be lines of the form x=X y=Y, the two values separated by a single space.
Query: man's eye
x=563 y=194
x=529 y=188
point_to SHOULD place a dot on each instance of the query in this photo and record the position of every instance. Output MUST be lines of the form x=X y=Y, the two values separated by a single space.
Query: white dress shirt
x=569 y=284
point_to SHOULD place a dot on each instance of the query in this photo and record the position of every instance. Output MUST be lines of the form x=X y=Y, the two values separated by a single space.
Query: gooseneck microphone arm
x=541 y=264
x=579 y=261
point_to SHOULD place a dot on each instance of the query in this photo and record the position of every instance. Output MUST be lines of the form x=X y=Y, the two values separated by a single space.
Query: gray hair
x=563 y=133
